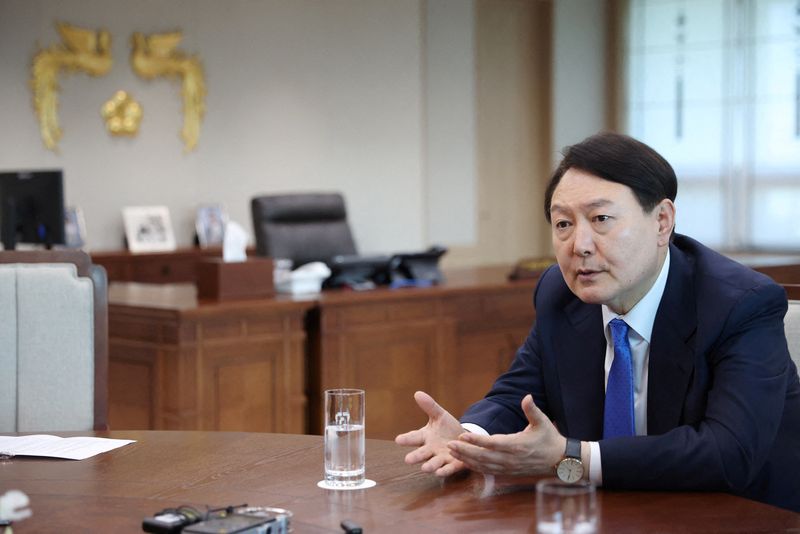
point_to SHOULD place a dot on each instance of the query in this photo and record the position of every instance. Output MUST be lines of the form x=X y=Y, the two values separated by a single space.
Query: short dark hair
x=622 y=159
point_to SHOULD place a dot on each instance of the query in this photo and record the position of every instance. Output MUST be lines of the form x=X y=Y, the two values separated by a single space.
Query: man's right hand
x=431 y=440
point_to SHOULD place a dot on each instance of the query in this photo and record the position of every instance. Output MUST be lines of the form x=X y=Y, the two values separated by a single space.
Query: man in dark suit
x=654 y=362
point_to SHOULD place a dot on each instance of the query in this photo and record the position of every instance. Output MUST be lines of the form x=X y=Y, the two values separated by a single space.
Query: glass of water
x=344 y=437
x=563 y=508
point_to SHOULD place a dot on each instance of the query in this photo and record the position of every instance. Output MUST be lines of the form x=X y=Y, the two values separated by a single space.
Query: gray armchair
x=53 y=342
x=302 y=227
x=792 y=321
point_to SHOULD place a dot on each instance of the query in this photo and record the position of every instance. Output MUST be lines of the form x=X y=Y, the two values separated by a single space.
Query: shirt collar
x=642 y=316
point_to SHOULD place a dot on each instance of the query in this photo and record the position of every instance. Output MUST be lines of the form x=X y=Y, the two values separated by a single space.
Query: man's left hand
x=534 y=451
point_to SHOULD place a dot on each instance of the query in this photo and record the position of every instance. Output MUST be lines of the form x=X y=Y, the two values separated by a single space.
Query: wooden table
x=113 y=492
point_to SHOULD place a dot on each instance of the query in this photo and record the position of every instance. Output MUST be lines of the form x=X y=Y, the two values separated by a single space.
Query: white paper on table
x=77 y=448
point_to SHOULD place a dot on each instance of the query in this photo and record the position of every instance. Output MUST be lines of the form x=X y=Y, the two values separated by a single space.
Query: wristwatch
x=570 y=469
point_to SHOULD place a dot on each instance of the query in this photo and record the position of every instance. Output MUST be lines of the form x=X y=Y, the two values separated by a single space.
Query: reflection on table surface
x=113 y=492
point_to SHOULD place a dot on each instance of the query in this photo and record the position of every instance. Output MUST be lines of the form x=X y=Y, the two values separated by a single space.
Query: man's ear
x=665 y=216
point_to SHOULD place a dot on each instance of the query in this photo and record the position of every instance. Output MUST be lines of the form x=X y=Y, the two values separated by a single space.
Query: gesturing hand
x=533 y=451
x=432 y=439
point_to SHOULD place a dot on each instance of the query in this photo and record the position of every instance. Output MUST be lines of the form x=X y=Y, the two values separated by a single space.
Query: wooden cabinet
x=179 y=364
x=451 y=341
x=154 y=267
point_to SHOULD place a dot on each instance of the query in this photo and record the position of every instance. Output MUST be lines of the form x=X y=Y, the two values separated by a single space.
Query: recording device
x=241 y=519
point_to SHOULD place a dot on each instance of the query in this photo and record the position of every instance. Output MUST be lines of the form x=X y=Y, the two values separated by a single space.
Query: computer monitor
x=31 y=208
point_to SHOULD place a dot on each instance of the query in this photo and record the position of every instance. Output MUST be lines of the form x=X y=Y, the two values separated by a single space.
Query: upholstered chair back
x=53 y=342
x=792 y=326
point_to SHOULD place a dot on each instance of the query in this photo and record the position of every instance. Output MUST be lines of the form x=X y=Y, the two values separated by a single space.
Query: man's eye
x=561 y=224
x=602 y=218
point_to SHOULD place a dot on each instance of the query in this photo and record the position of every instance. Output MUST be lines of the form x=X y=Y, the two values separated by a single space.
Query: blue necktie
x=618 y=417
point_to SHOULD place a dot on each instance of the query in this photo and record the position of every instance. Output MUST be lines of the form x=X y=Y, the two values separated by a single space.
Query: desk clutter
x=242 y=519
x=360 y=273
x=418 y=269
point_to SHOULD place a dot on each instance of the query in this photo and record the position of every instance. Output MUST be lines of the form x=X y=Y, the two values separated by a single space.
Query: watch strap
x=573 y=449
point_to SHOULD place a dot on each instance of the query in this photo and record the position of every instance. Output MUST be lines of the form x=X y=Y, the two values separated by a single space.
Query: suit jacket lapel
x=580 y=346
x=671 y=347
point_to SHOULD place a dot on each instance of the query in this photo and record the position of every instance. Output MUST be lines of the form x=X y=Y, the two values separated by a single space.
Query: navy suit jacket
x=723 y=398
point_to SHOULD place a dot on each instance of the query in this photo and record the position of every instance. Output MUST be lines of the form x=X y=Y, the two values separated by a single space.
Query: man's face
x=609 y=250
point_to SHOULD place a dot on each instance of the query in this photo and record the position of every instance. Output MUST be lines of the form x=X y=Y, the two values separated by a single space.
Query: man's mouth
x=587 y=274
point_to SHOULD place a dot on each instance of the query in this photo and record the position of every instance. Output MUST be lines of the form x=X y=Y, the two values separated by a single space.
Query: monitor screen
x=31 y=208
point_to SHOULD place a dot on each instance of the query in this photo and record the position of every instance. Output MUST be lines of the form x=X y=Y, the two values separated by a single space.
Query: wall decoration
x=155 y=55
x=148 y=229
x=83 y=50
x=122 y=114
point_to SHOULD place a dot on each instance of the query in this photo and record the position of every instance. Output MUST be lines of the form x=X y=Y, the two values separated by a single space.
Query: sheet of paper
x=77 y=448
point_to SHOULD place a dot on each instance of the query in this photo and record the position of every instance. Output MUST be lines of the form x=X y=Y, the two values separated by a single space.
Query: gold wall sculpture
x=122 y=114
x=155 y=55
x=81 y=50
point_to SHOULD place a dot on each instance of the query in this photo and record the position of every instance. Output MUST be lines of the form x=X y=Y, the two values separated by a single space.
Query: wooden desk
x=452 y=341
x=113 y=492
x=178 y=363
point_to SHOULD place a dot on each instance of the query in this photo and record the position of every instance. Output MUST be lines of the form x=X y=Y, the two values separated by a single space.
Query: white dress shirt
x=640 y=321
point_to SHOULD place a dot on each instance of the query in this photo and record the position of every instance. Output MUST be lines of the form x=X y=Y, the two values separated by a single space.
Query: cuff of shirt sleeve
x=595 y=467
x=475 y=429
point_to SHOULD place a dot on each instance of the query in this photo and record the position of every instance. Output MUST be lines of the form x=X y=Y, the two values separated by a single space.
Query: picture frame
x=148 y=229
x=74 y=228
x=210 y=225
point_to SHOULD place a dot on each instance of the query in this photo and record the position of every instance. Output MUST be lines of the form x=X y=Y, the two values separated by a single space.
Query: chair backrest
x=53 y=342
x=791 y=325
x=302 y=227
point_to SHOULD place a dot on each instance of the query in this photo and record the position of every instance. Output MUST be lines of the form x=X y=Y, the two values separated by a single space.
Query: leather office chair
x=53 y=342
x=791 y=323
x=303 y=227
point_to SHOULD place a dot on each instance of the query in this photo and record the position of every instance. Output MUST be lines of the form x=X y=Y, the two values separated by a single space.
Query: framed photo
x=210 y=225
x=74 y=228
x=148 y=229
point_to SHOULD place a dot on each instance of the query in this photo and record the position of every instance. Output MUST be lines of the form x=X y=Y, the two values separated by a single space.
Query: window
x=714 y=86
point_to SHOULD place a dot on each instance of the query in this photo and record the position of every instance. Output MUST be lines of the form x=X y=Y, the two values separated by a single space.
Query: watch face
x=570 y=470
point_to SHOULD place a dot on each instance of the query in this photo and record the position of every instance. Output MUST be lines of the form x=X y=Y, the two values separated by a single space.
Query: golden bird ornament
x=81 y=49
x=157 y=55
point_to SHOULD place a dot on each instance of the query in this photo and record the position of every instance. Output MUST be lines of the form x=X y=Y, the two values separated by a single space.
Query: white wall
x=450 y=136
x=579 y=71
x=302 y=95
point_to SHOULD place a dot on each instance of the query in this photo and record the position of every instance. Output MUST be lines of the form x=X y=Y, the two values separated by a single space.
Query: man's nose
x=583 y=244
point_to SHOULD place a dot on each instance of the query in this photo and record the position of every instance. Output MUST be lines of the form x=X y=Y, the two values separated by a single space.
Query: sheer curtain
x=714 y=85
